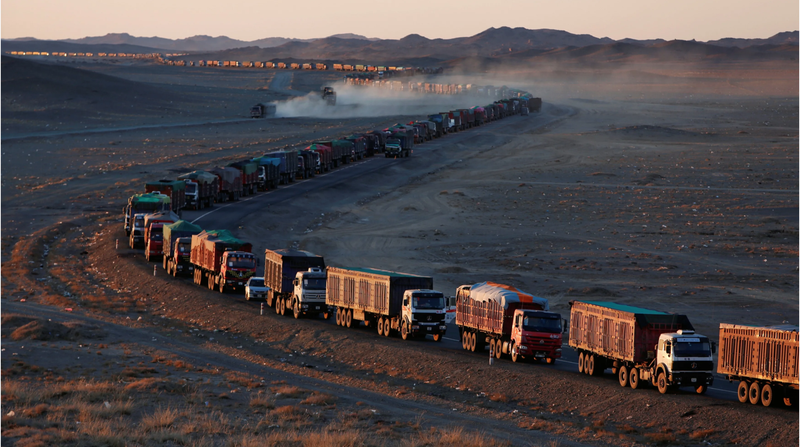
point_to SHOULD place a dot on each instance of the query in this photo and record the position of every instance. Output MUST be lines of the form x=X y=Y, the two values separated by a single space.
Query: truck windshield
x=692 y=349
x=191 y=188
x=314 y=283
x=156 y=234
x=184 y=248
x=241 y=262
x=393 y=141
x=428 y=302
x=539 y=324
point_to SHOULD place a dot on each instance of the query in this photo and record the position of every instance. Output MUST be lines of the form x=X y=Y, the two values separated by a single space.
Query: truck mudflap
x=691 y=378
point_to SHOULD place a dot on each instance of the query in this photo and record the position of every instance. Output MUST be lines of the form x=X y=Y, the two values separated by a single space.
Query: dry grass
x=499 y=397
x=163 y=417
x=288 y=391
x=702 y=434
x=262 y=401
x=318 y=399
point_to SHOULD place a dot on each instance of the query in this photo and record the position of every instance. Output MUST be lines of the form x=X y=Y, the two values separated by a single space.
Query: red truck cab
x=154 y=240
x=536 y=334
x=237 y=267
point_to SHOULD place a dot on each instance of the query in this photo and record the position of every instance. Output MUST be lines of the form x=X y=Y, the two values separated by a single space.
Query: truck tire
x=515 y=357
x=221 y=285
x=464 y=340
x=623 y=376
x=581 y=363
x=296 y=310
x=380 y=326
x=743 y=391
x=661 y=382
x=767 y=395
x=348 y=318
x=590 y=365
x=633 y=378
x=754 y=393
x=404 y=330
x=210 y=282
x=498 y=349
x=339 y=317
x=278 y=305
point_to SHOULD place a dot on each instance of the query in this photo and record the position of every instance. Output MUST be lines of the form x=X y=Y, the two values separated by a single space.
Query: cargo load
x=221 y=261
x=175 y=189
x=178 y=247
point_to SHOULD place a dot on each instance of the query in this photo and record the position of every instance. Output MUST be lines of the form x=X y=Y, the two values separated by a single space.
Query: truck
x=509 y=321
x=144 y=204
x=249 y=170
x=391 y=301
x=153 y=232
x=281 y=267
x=221 y=261
x=325 y=156
x=175 y=189
x=763 y=359
x=359 y=146
x=329 y=96
x=306 y=163
x=202 y=189
x=308 y=297
x=262 y=110
x=178 y=247
x=269 y=174
x=230 y=183
x=394 y=148
x=640 y=346
x=287 y=164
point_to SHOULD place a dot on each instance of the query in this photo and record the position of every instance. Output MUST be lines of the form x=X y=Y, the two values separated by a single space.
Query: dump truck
x=202 y=189
x=280 y=271
x=249 y=170
x=763 y=359
x=261 y=110
x=287 y=164
x=509 y=321
x=390 y=301
x=329 y=96
x=178 y=247
x=144 y=204
x=175 y=189
x=153 y=232
x=230 y=183
x=640 y=346
x=221 y=261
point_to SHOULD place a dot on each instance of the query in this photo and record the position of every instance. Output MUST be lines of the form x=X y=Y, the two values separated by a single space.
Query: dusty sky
x=250 y=20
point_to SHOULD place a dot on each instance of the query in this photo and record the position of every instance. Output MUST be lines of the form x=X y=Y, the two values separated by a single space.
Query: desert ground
x=672 y=187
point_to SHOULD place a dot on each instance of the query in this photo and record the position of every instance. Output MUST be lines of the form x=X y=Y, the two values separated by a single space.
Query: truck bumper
x=539 y=351
x=425 y=328
x=313 y=308
x=694 y=378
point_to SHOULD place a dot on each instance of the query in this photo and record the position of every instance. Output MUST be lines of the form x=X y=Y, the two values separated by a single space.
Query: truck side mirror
x=295 y=281
x=667 y=348
x=405 y=301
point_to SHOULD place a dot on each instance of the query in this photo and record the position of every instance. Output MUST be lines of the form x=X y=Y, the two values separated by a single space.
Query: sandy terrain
x=672 y=187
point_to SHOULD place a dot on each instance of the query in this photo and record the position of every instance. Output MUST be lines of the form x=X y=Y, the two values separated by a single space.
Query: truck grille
x=429 y=318
x=693 y=366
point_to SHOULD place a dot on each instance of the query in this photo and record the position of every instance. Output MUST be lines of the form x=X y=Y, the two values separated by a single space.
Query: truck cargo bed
x=765 y=353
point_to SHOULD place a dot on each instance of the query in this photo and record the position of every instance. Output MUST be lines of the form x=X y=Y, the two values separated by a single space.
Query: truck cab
x=154 y=240
x=536 y=334
x=137 y=231
x=685 y=359
x=236 y=268
x=424 y=312
x=393 y=147
x=192 y=194
x=309 y=292
x=182 y=255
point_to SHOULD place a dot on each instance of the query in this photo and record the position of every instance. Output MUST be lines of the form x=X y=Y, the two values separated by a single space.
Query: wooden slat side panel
x=758 y=353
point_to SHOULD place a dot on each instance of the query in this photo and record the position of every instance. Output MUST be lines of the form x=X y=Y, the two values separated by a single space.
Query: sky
x=702 y=20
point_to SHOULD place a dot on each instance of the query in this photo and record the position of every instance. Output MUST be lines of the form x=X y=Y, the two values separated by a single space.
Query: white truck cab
x=684 y=358
x=424 y=312
x=309 y=291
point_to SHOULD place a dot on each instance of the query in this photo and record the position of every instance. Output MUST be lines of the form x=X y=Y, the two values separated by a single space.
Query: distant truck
x=202 y=189
x=230 y=183
x=249 y=170
x=391 y=301
x=144 y=204
x=329 y=96
x=262 y=110
x=287 y=164
x=281 y=270
x=153 y=233
x=178 y=247
x=221 y=261
x=174 y=189
x=269 y=174
x=764 y=360
x=509 y=320
x=640 y=346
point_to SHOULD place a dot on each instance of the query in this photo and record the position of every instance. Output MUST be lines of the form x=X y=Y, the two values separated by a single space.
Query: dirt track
x=686 y=206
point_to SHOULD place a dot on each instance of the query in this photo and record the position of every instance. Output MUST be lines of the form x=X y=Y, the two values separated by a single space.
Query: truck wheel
x=278 y=305
x=663 y=387
x=701 y=389
x=380 y=326
x=581 y=363
x=633 y=378
x=767 y=395
x=742 y=391
x=164 y=263
x=464 y=340
x=348 y=318
x=754 y=393
x=338 y=317
x=473 y=341
x=296 y=310
x=590 y=365
x=404 y=330
x=498 y=349
x=515 y=357
x=222 y=286
x=623 y=376
x=210 y=282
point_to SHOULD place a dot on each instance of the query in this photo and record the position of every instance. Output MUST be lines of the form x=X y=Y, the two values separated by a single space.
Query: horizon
x=180 y=19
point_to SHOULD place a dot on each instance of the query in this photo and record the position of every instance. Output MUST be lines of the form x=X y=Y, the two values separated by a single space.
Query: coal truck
x=763 y=359
x=507 y=320
x=221 y=261
x=640 y=346
x=174 y=189
x=281 y=267
x=178 y=247
x=287 y=164
x=230 y=183
x=144 y=204
x=153 y=232
x=249 y=170
x=391 y=301
x=202 y=189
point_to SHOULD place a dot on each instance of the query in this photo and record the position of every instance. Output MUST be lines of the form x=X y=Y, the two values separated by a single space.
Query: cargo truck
x=144 y=204
x=249 y=170
x=136 y=239
x=287 y=164
x=509 y=321
x=153 y=232
x=230 y=183
x=391 y=301
x=281 y=267
x=764 y=360
x=309 y=293
x=262 y=110
x=174 y=189
x=269 y=174
x=221 y=261
x=640 y=346
x=178 y=247
x=202 y=189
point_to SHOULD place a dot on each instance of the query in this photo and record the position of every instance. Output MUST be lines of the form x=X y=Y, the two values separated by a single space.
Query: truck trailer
x=175 y=189
x=640 y=346
x=249 y=170
x=391 y=301
x=509 y=321
x=281 y=267
x=764 y=360
x=202 y=189
x=221 y=261
x=153 y=232
x=178 y=247
x=144 y=204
